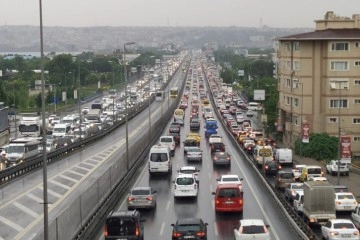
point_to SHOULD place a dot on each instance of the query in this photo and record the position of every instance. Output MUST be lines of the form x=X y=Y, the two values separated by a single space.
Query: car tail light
x=228 y=158
x=265 y=229
x=106 y=231
x=240 y=201
x=149 y=198
x=217 y=202
x=200 y=234
x=266 y=167
x=215 y=158
x=131 y=198
x=279 y=167
x=356 y=233
x=137 y=232
x=337 y=203
x=333 y=233
x=176 y=234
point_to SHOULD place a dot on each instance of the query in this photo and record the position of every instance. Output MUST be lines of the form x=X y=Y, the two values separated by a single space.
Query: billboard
x=345 y=148
x=241 y=73
x=305 y=132
x=259 y=94
x=133 y=70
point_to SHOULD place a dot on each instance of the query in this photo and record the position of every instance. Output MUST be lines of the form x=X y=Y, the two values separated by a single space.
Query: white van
x=284 y=156
x=159 y=159
x=61 y=129
x=254 y=106
x=262 y=152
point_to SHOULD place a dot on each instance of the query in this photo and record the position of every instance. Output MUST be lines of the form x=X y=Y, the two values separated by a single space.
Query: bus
x=174 y=92
x=21 y=149
x=159 y=96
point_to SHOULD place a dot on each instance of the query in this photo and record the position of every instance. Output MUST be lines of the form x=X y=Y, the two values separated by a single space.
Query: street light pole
x=340 y=104
x=149 y=97
x=126 y=108
x=45 y=196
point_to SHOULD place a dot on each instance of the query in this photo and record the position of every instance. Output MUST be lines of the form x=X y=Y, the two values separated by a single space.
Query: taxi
x=195 y=136
x=205 y=102
x=242 y=136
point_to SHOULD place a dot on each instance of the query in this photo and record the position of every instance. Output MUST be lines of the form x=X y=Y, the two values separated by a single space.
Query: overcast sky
x=244 y=13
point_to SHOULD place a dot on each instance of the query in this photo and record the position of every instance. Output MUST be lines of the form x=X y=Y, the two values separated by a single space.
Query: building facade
x=319 y=80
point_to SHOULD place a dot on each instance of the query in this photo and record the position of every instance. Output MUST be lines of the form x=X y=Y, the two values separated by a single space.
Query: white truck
x=93 y=115
x=284 y=156
x=319 y=202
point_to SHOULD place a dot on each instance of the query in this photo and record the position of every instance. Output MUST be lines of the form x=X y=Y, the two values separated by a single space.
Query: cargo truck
x=319 y=202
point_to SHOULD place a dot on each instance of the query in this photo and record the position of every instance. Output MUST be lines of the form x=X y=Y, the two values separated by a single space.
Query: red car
x=228 y=198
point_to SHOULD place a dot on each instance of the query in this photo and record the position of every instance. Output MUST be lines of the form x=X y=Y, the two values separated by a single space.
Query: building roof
x=327 y=34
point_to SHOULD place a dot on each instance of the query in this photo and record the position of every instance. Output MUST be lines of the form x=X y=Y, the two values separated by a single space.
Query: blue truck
x=210 y=127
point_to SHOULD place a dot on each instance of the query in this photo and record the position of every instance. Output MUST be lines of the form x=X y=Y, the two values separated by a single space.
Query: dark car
x=221 y=158
x=195 y=124
x=124 y=225
x=189 y=228
x=174 y=127
x=62 y=142
x=272 y=167
x=176 y=137
x=217 y=147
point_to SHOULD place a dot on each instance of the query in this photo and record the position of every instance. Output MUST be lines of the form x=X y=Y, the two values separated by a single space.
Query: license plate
x=346 y=235
x=229 y=202
x=191 y=236
x=184 y=190
x=347 y=207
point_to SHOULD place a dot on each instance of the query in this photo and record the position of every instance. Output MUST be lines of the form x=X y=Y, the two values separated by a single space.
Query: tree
x=321 y=146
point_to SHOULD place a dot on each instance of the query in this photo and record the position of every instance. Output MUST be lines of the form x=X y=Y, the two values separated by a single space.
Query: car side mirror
x=198 y=170
x=267 y=226
x=241 y=179
x=173 y=181
x=213 y=193
x=155 y=191
x=206 y=224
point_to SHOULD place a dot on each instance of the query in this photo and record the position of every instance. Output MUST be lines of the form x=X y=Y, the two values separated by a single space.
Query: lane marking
x=86 y=169
x=216 y=229
x=35 y=198
x=162 y=228
x=11 y=224
x=168 y=205
x=76 y=173
x=59 y=184
x=68 y=178
x=26 y=209
x=55 y=194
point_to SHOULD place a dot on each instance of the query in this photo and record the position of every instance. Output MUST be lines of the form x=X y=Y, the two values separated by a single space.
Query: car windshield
x=16 y=149
x=121 y=227
x=189 y=228
x=314 y=171
x=297 y=186
x=194 y=150
x=184 y=181
x=230 y=179
x=229 y=193
x=168 y=140
x=140 y=192
x=287 y=175
x=343 y=226
x=345 y=196
x=253 y=229
x=188 y=171
x=158 y=157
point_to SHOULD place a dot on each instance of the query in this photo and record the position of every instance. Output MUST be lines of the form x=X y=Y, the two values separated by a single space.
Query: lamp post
x=126 y=108
x=301 y=115
x=340 y=105
x=45 y=196
x=149 y=97
x=66 y=92
x=113 y=79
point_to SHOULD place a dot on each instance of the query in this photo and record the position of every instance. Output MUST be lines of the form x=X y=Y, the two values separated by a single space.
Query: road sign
x=259 y=94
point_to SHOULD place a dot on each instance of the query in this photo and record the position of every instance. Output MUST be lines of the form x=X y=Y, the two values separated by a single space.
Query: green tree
x=321 y=146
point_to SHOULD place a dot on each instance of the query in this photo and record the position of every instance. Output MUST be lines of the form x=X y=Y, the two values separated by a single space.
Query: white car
x=194 y=154
x=250 y=113
x=339 y=229
x=332 y=168
x=168 y=141
x=185 y=185
x=214 y=138
x=345 y=201
x=230 y=179
x=298 y=202
x=190 y=170
x=319 y=179
x=252 y=229
x=297 y=170
x=239 y=118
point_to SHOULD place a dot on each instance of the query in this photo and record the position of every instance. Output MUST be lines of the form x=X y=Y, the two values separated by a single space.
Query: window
x=340 y=46
x=357 y=82
x=288 y=46
x=288 y=100
x=288 y=82
x=296 y=83
x=336 y=103
x=333 y=119
x=296 y=120
x=296 y=46
x=357 y=101
x=338 y=84
x=296 y=102
x=296 y=65
x=287 y=64
x=357 y=44
x=356 y=139
x=339 y=66
x=357 y=63
x=356 y=120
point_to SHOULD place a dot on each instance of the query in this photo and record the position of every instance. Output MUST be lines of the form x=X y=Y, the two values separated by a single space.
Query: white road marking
x=59 y=184
x=162 y=228
x=216 y=229
x=168 y=205
x=26 y=209
x=35 y=198
x=76 y=173
x=86 y=169
x=55 y=194
x=87 y=163
x=11 y=224
x=68 y=178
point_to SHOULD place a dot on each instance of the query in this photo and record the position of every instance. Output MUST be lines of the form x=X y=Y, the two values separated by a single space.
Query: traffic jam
x=193 y=134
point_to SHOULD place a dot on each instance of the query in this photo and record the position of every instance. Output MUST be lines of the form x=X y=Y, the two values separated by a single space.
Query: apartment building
x=319 y=80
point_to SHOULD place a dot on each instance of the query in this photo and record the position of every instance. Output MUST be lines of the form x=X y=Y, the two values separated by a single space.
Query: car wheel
x=347 y=173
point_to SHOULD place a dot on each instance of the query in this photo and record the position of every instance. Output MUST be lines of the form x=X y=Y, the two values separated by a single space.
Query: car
x=297 y=169
x=298 y=202
x=271 y=167
x=332 y=168
x=168 y=141
x=214 y=138
x=188 y=143
x=248 y=144
x=190 y=170
x=221 y=158
x=252 y=229
x=185 y=185
x=183 y=105
x=250 y=113
x=195 y=124
x=217 y=147
x=175 y=127
x=176 y=136
x=62 y=142
x=228 y=198
x=321 y=179
x=230 y=179
x=85 y=110
x=194 y=154
x=339 y=229
x=283 y=178
x=345 y=201
x=194 y=135
x=141 y=197
x=341 y=188
x=239 y=118
x=235 y=129
x=292 y=189
x=189 y=228
x=124 y=225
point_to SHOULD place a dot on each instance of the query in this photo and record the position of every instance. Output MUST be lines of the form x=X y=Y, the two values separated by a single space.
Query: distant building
x=319 y=80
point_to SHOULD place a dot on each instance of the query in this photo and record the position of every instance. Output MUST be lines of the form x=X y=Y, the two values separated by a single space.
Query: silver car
x=194 y=154
x=141 y=197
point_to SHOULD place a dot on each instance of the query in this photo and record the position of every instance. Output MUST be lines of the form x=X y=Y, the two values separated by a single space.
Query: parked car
x=189 y=228
x=339 y=229
x=332 y=168
x=124 y=225
x=141 y=197
x=252 y=229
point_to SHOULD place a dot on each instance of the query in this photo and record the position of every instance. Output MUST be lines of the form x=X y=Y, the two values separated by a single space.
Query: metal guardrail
x=303 y=231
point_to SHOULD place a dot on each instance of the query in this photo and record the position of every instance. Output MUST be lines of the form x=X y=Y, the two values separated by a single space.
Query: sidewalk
x=352 y=181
